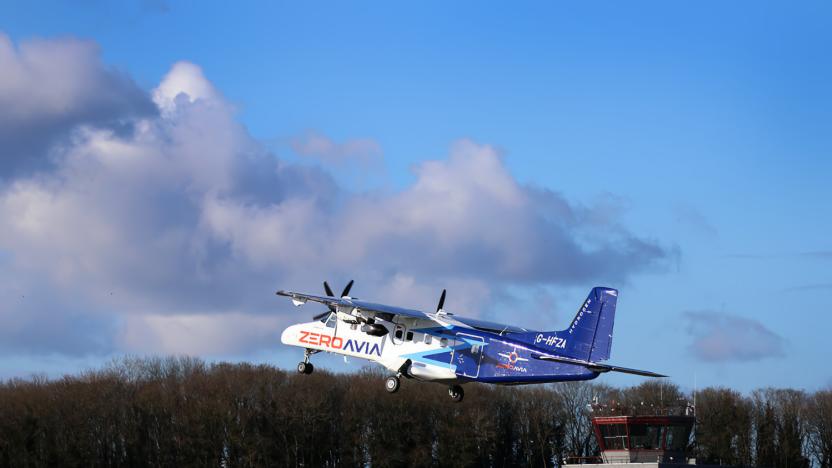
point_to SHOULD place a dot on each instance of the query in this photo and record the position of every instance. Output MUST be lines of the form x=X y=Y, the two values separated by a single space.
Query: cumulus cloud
x=719 y=337
x=172 y=233
x=198 y=333
x=48 y=87
x=363 y=151
x=184 y=81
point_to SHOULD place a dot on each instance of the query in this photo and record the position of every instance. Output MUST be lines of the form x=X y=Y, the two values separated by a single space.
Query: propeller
x=321 y=315
x=346 y=291
x=329 y=293
x=441 y=301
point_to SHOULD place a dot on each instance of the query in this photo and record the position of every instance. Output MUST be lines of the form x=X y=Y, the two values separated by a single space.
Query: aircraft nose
x=285 y=337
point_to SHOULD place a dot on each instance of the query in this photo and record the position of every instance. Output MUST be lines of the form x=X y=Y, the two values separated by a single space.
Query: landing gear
x=456 y=393
x=391 y=384
x=306 y=367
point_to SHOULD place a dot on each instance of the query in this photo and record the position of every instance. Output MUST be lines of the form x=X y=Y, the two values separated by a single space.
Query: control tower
x=632 y=440
x=643 y=439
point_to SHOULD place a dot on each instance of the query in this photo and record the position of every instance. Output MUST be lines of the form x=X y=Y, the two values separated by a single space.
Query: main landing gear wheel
x=456 y=393
x=391 y=384
x=305 y=368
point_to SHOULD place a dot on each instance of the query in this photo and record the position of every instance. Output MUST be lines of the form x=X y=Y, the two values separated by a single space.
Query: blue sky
x=689 y=142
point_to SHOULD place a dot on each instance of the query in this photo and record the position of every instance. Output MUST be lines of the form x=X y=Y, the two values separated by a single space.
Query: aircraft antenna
x=441 y=302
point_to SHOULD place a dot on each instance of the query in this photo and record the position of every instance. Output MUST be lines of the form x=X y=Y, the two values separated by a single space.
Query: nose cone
x=289 y=335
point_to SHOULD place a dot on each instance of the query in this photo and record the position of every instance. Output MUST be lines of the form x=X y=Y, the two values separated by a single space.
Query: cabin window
x=427 y=339
x=475 y=349
x=353 y=326
x=399 y=332
x=409 y=336
x=443 y=342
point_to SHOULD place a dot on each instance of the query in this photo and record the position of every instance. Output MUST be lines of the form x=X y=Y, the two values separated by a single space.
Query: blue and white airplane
x=450 y=349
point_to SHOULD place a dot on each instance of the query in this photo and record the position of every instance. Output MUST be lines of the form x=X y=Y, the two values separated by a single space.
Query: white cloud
x=47 y=87
x=171 y=235
x=719 y=337
x=365 y=152
x=201 y=334
x=184 y=81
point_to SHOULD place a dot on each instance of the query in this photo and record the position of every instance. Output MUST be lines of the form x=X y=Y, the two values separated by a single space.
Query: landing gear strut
x=306 y=367
x=456 y=393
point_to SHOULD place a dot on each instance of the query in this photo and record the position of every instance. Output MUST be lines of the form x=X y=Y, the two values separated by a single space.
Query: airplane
x=454 y=350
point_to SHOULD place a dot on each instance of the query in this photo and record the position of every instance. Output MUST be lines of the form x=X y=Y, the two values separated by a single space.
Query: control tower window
x=615 y=436
x=646 y=436
x=676 y=438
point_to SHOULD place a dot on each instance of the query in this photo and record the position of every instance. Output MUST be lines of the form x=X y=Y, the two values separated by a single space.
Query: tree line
x=181 y=411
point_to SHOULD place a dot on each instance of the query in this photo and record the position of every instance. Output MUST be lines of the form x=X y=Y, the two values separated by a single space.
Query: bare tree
x=724 y=427
x=819 y=427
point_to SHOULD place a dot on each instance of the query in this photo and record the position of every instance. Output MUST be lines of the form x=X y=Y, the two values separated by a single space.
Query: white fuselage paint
x=339 y=337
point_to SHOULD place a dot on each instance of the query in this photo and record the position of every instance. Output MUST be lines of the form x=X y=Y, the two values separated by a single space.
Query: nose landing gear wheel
x=391 y=384
x=305 y=368
x=456 y=393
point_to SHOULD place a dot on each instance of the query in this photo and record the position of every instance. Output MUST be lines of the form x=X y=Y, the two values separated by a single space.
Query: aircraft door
x=468 y=354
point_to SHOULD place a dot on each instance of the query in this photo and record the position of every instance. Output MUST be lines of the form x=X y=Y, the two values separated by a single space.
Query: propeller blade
x=328 y=292
x=441 y=301
x=321 y=315
x=347 y=289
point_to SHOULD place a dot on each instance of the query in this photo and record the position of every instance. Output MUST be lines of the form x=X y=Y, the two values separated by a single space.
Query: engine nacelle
x=374 y=329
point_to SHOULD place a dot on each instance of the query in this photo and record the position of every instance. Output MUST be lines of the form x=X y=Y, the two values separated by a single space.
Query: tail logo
x=584 y=310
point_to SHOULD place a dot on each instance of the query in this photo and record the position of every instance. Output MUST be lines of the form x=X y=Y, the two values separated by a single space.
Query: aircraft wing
x=378 y=309
x=596 y=367
x=498 y=328
x=387 y=312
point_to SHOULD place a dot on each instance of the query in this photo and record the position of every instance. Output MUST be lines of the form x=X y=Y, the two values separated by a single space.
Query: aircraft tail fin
x=589 y=335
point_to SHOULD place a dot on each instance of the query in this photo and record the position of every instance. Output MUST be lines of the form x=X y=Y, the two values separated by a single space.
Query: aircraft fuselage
x=449 y=354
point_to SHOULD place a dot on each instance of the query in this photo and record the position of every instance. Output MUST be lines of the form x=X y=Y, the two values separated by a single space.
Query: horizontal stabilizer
x=595 y=367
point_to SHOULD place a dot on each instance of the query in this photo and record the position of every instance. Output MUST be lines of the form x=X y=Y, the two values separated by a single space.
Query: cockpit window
x=330 y=320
